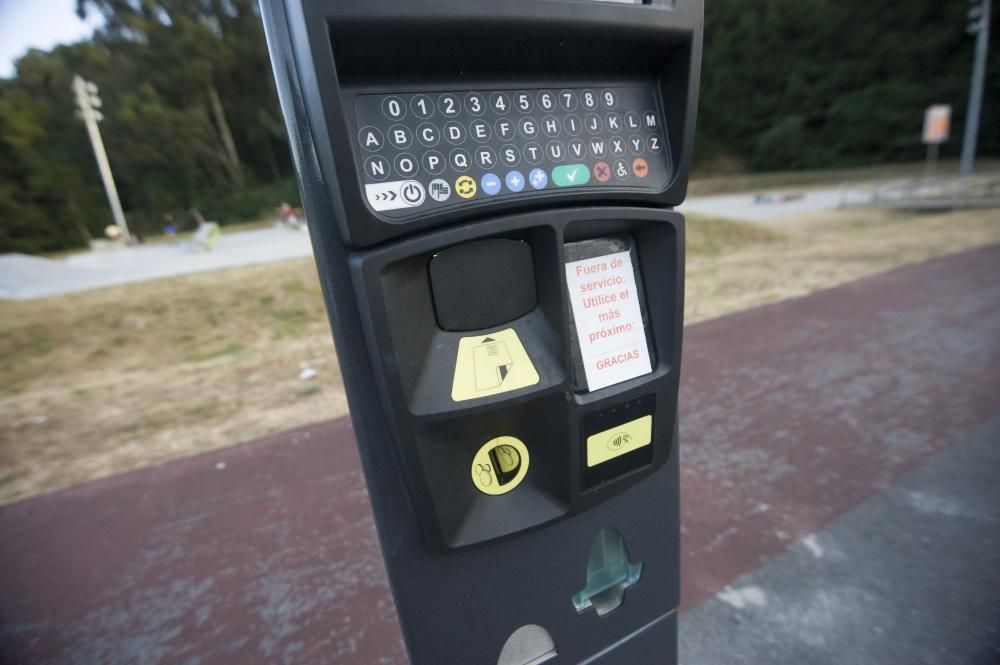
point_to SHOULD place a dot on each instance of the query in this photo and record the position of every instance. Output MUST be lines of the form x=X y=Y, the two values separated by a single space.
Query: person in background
x=169 y=228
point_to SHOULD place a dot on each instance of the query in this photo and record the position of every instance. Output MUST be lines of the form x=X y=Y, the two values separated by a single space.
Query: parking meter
x=489 y=188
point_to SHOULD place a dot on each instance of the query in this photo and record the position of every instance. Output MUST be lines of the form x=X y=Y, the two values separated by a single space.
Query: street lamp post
x=89 y=104
x=979 y=24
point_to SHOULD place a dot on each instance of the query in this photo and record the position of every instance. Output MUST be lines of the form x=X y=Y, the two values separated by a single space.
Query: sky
x=39 y=24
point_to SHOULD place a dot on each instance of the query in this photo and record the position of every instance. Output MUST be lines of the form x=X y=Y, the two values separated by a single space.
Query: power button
x=412 y=192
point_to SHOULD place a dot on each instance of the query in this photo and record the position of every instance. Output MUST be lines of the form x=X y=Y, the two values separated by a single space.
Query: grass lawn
x=105 y=381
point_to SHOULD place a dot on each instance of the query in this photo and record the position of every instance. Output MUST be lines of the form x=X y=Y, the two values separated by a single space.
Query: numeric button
x=371 y=139
x=589 y=99
x=422 y=106
x=474 y=103
x=428 y=134
x=406 y=164
x=609 y=99
x=522 y=100
x=449 y=106
x=400 y=136
x=393 y=108
x=567 y=100
x=500 y=103
x=546 y=100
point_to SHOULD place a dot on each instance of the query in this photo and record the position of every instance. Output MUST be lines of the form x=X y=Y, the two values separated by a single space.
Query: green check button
x=570 y=175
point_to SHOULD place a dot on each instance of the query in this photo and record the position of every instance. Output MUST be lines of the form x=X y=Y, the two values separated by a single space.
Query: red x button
x=602 y=172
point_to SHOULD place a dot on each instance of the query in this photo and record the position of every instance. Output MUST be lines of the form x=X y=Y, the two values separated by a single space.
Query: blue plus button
x=538 y=178
x=515 y=181
x=490 y=184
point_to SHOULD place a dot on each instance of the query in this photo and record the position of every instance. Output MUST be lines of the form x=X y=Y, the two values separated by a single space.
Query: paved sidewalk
x=802 y=424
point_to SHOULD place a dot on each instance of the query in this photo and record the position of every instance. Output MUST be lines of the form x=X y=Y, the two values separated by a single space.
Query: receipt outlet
x=490 y=192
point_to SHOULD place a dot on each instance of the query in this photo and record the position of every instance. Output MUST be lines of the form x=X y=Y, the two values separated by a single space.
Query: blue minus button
x=490 y=184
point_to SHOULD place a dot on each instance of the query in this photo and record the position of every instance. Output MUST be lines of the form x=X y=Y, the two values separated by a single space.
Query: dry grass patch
x=106 y=381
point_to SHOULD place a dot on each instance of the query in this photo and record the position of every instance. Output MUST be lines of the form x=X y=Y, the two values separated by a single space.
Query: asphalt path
x=839 y=504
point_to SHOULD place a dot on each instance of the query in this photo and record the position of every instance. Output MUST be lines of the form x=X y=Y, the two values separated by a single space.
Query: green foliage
x=191 y=120
x=191 y=116
x=818 y=83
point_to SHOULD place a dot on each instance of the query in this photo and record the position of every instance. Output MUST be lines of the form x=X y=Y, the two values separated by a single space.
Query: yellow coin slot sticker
x=617 y=441
x=500 y=465
x=465 y=186
x=491 y=364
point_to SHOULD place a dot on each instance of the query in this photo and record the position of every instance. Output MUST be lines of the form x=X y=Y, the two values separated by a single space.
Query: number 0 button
x=393 y=108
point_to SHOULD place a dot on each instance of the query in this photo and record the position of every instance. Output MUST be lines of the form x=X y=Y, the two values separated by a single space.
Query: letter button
x=635 y=144
x=428 y=134
x=632 y=121
x=377 y=167
x=433 y=162
x=613 y=121
x=455 y=133
x=654 y=143
x=480 y=130
x=406 y=164
x=593 y=123
x=459 y=159
x=504 y=128
x=528 y=127
x=617 y=144
x=550 y=125
x=649 y=119
x=485 y=157
x=371 y=139
x=399 y=136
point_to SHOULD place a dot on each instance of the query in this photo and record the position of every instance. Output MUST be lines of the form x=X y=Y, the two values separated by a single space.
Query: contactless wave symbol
x=619 y=440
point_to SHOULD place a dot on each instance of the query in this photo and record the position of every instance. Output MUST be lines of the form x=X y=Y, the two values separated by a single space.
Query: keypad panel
x=425 y=151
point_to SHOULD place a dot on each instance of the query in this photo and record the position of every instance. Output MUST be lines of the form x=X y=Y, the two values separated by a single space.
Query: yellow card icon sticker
x=491 y=364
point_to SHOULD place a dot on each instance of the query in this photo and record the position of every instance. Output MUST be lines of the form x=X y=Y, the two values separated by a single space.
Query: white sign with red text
x=608 y=319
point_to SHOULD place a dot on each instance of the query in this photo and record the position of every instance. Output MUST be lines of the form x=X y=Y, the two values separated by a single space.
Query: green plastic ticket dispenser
x=489 y=188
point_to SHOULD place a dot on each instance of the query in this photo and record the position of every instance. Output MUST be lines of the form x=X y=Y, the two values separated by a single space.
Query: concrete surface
x=801 y=426
x=25 y=277
x=743 y=207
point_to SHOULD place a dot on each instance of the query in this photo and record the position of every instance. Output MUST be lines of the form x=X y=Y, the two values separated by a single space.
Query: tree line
x=192 y=120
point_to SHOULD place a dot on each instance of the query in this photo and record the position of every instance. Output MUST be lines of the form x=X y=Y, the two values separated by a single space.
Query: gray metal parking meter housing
x=489 y=189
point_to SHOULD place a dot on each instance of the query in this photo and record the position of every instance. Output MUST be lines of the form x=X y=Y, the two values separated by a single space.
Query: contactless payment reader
x=490 y=190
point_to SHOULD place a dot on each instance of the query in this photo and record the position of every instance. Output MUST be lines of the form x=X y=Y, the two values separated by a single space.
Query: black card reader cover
x=482 y=283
